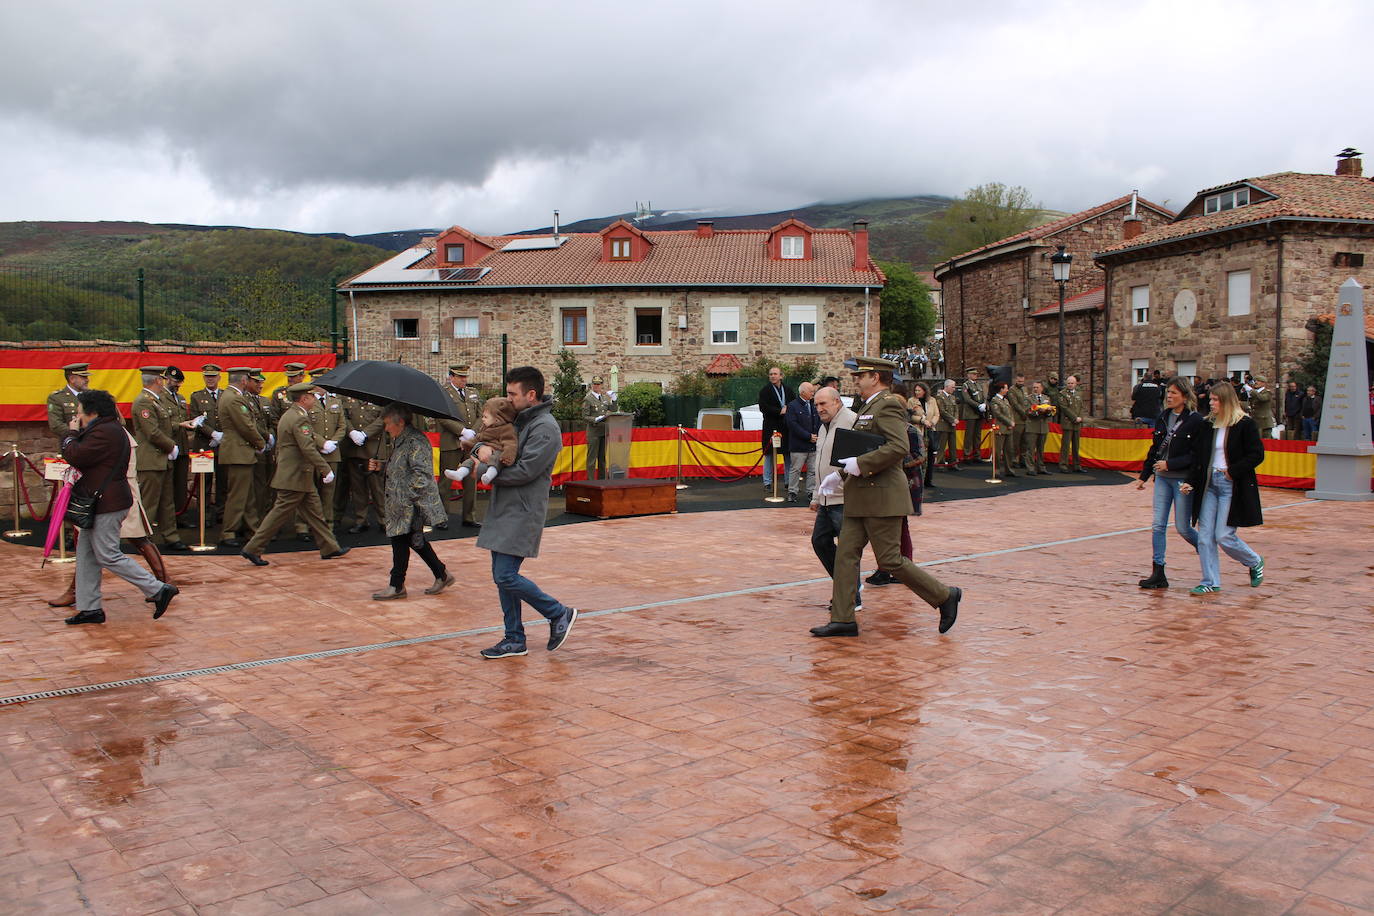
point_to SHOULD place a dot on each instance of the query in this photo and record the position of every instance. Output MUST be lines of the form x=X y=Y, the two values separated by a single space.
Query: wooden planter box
x=617 y=498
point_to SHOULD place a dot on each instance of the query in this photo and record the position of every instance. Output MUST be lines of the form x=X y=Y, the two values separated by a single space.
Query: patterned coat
x=412 y=496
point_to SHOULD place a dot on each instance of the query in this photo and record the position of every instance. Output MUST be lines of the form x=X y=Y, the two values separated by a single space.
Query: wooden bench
x=621 y=497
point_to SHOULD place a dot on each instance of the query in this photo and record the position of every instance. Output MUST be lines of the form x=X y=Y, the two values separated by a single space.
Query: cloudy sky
x=359 y=116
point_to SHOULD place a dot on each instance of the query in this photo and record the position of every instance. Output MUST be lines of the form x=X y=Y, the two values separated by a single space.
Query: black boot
x=1156 y=579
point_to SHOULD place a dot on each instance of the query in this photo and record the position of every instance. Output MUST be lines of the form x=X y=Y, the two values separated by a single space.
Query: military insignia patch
x=145 y=413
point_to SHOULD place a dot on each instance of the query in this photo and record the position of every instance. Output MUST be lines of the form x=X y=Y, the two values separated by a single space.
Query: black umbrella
x=379 y=382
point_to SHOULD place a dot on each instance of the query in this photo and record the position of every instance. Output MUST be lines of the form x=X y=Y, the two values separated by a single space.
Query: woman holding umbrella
x=100 y=451
x=412 y=501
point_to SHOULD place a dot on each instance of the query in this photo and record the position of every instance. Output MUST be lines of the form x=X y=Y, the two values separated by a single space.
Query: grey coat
x=520 y=493
x=412 y=497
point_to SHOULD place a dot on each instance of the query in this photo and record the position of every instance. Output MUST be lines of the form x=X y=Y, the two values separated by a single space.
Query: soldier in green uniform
x=183 y=426
x=1004 y=415
x=595 y=406
x=238 y=455
x=973 y=410
x=298 y=463
x=1262 y=406
x=157 y=449
x=1070 y=404
x=1019 y=398
x=62 y=402
x=207 y=436
x=262 y=418
x=944 y=443
x=367 y=442
x=876 y=499
x=452 y=449
x=295 y=374
x=330 y=425
x=1037 y=428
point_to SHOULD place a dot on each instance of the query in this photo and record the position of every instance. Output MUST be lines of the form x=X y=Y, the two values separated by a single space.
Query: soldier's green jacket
x=450 y=430
x=1004 y=415
x=1262 y=408
x=974 y=393
x=328 y=421
x=298 y=458
x=177 y=409
x=241 y=437
x=203 y=402
x=949 y=411
x=152 y=432
x=1019 y=398
x=593 y=406
x=1070 y=404
x=880 y=488
x=61 y=412
x=1035 y=424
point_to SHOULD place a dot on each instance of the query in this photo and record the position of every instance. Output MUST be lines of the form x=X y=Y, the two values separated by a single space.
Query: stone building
x=1001 y=304
x=650 y=303
x=1232 y=283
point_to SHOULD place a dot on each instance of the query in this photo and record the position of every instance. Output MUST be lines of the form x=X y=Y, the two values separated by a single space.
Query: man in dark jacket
x=98 y=447
x=1292 y=411
x=773 y=400
x=514 y=524
x=802 y=424
x=1147 y=400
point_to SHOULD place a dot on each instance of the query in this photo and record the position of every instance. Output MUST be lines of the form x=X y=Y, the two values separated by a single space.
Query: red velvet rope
x=24 y=488
x=710 y=471
x=687 y=433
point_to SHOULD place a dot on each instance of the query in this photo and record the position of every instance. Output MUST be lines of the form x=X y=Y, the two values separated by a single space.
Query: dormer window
x=1226 y=200
x=620 y=249
x=453 y=254
x=793 y=247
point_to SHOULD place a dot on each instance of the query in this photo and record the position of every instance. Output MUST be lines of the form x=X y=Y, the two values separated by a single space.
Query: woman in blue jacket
x=1168 y=461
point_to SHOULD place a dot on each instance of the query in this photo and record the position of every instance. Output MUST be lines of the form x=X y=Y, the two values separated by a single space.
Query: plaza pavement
x=1073 y=745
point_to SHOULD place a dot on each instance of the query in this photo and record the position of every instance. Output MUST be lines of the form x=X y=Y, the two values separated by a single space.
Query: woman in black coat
x=1177 y=430
x=1225 y=490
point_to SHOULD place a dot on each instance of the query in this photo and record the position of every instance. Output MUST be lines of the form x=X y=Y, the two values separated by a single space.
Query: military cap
x=316 y=373
x=870 y=364
x=257 y=374
x=77 y=369
x=294 y=368
x=969 y=369
x=174 y=373
x=598 y=380
x=153 y=370
x=210 y=369
x=1257 y=378
x=300 y=388
x=460 y=369
x=240 y=370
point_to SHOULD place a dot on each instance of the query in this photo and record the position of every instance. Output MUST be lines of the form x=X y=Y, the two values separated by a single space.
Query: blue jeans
x=1213 y=532
x=1166 y=495
x=1310 y=427
x=512 y=588
x=770 y=461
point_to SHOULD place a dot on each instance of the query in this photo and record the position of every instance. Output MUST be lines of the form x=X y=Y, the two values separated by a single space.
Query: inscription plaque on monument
x=1343 y=446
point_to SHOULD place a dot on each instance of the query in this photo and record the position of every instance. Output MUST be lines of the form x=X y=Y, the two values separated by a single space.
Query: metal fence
x=43 y=307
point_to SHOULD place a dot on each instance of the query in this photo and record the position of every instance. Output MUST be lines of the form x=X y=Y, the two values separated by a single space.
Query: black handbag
x=81 y=509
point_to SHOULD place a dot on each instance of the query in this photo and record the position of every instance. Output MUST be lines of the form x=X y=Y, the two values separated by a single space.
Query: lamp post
x=1060 y=262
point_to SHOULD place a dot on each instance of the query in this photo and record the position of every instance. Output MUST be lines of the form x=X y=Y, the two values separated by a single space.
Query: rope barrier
x=24 y=487
x=706 y=445
x=709 y=471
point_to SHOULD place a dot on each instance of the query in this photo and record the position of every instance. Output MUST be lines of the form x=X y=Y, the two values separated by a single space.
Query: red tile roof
x=1091 y=300
x=1330 y=318
x=1298 y=195
x=724 y=364
x=1037 y=233
x=729 y=257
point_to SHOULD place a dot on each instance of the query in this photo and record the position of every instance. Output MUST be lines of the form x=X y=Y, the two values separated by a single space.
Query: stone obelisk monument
x=1343 y=448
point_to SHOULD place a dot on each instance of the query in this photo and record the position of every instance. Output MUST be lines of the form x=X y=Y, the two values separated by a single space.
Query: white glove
x=467 y=435
x=328 y=478
x=329 y=447
x=216 y=438
x=832 y=485
x=198 y=421
x=358 y=436
x=982 y=408
x=452 y=474
x=172 y=455
x=850 y=465
x=599 y=419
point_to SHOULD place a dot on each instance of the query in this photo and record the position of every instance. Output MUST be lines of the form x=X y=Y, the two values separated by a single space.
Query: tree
x=567 y=390
x=982 y=216
x=1315 y=359
x=906 y=314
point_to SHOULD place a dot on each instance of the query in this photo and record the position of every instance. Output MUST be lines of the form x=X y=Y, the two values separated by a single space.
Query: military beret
x=174 y=373
x=294 y=368
x=77 y=368
x=300 y=388
x=869 y=364
x=460 y=369
x=210 y=369
x=153 y=370
x=598 y=380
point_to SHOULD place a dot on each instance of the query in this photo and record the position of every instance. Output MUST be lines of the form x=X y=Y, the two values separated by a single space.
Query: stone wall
x=1311 y=284
x=532 y=321
x=37 y=442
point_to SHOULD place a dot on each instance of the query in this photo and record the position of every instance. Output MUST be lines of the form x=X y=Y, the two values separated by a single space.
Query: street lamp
x=1060 y=262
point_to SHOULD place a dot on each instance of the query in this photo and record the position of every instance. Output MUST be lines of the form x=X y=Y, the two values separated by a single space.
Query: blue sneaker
x=1257 y=574
x=503 y=649
x=560 y=628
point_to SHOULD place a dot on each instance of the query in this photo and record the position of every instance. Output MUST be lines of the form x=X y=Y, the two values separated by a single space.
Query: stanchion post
x=16 y=531
x=994 y=478
x=680 y=433
x=202 y=547
x=777 y=447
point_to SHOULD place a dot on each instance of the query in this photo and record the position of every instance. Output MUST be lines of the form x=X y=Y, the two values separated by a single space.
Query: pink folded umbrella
x=56 y=516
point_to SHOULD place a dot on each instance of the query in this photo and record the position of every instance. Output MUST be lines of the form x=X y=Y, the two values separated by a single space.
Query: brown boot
x=148 y=550
x=67 y=598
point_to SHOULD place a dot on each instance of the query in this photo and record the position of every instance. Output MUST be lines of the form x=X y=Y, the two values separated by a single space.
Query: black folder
x=851 y=443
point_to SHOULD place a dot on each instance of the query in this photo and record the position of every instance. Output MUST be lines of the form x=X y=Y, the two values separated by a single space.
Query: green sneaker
x=1257 y=574
x=1203 y=589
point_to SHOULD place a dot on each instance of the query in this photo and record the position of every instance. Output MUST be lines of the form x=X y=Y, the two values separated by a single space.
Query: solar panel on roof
x=461 y=274
x=535 y=243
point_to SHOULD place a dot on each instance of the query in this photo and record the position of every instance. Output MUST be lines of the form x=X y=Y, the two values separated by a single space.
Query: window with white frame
x=1237 y=364
x=406 y=328
x=1238 y=292
x=1226 y=200
x=453 y=254
x=620 y=249
x=801 y=324
x=467 y=327
x=1186 y=368
x=1140 y=305
x=793 y=246
x=724 y=325
x=1139 y=368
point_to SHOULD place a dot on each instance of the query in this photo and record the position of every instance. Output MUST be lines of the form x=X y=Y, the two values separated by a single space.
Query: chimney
x=861 y=244
x=1132 y=225
x=555 y=224
x=706 y=228
x=1348 y=162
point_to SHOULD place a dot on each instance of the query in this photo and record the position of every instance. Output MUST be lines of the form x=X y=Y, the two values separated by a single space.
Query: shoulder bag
x=81 y=509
